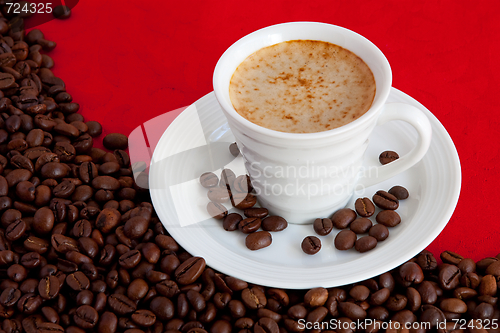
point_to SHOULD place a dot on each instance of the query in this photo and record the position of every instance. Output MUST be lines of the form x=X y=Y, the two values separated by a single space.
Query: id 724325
x=24 y=7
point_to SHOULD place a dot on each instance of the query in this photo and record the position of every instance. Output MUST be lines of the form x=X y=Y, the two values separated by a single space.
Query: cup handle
x=416 y=118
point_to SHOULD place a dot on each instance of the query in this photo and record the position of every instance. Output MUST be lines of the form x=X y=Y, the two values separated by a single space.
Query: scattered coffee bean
x=274 y=223
x=364 y=207
x=389 y=218
x=385 y=200
x=258 y=240
x=249 y=225
x=323 y=226
x=399 y=192
x=61 y=12
x=379 y=232
x=256 y=212
x=360 y=225
x=345 y=240
x=365 y=244
x=231 y=221
x=216 y=210
x=343 y=217
x=234 y=150
x=388 y=156
x=311 y=245
x=209 y=179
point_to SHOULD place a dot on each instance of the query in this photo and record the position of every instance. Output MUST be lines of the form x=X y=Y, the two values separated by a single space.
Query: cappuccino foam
x=302 y=86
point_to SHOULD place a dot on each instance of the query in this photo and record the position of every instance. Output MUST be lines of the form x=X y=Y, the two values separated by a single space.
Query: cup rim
x=231 y=112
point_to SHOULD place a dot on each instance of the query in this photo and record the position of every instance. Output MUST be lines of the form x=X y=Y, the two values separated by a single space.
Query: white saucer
x=197 y=141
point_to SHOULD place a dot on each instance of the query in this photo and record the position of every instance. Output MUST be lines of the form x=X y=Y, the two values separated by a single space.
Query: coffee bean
x=243 y=200
x=411 y=272
x=136 y=227
x=449 y=277
x=61 y=12
x=258 y=240
x=311 y=245
x=234 y=150
x=231 y=221
x=115 y=141
x=144 y=318
x=242 y=184
x=385 y=200
x=256 y=212
x=323 y=226
x=209 y=179
x=162 y=307
x=451 y=257
x=216 y=210
x=10 y=296
x=49 y=287
x=249 y=225
x=364 y=207
x=253 y=298
x=361 y=225
x=121 y=304
x=190 y=270
x=95 y=128
x=343 y=217
x=389 y=218
x=77 y=281
x=399 y=192
x=274 y=223
x=345 y=240
x=365 y=244
x=86 y=317
x=352 y=310
x=388 y=156
x=227 y=178
x=218 y=194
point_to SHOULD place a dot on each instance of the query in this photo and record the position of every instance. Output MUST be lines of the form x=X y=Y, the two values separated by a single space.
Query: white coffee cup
x=304 y=176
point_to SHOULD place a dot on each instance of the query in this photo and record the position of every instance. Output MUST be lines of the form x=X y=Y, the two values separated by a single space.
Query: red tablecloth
x=126 y=62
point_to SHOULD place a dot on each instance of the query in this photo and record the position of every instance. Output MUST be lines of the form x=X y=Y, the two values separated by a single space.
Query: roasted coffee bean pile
x=358 y=221
x=238 y=190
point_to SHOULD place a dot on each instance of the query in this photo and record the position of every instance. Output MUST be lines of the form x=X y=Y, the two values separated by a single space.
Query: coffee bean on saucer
x=256 y=212
x=209 y=180
x=389 y=218
x=311 y=245
x=249 y=225
x=233 y=149
x=218 y=194
x=379 y=231
x=231 y=221
x=258 y=240
x=242 y=184
x=364 y=207
x=343 y=217
x=399 y=192
x=216 y=210
x=388 y=156
x=345 y=240
x=243 y=200
x=274 y=223
x=323 y=226
x=385 y=200
x=227 y=178
x=360 y=225
x=365 y=244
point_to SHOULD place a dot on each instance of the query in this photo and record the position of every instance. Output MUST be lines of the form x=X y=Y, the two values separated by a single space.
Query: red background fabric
x=126 y=62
